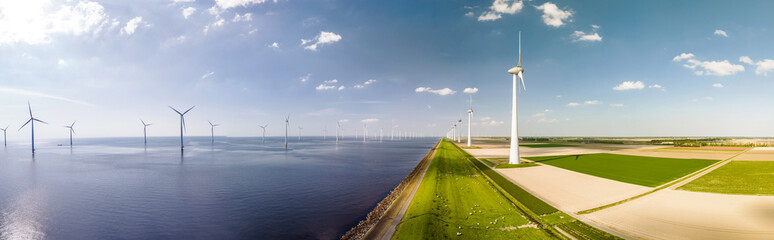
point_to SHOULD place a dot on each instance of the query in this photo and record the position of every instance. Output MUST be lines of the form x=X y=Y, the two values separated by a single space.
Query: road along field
x=645 y=171
x=757 y=154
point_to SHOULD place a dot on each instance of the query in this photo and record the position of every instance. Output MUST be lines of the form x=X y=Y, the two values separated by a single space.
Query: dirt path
x=389 y=222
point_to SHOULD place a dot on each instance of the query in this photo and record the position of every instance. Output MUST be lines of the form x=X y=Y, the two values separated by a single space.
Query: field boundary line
x=667 y=185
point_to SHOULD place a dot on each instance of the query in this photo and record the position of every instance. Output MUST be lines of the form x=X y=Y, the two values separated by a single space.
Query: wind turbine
x=287 y=125
x=470 y=116
x=144 y=131
x=299 y=133
x=365 y=132
x=338 y=125
x=459 y=133
x=381 y=131
x=263 y=139
x=212 y=131
x=32 y=126
x=182 y=123
x=71 y=132
x=5 y=141
x=517 y=71
x=325 y=131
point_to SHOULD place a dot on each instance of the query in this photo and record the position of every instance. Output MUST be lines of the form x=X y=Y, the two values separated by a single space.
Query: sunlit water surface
x=236 y=188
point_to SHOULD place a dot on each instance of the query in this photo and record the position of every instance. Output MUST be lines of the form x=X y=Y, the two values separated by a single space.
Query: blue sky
x=605 y=68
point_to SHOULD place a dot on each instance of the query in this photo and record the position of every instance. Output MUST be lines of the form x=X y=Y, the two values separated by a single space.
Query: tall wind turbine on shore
x=287 y=125
x=470 y=116
x=212 y=131
x=71 y=132
x=32 y=126
x=263 y=139
x=182 y=123
x=459 y=133
x=5 y=141
x=517 y=71
x=144 y=131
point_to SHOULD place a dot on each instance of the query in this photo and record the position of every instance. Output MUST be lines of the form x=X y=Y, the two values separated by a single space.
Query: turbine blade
x=143 y=122
x=186 y=111
x=41 y=121
x=25 y=124
x=178 y=112
x=30 y=107
x=519 y=48
x=521 y=76
x=72 y=130
x=183 y=120
x=71 y=125
x=210 y=123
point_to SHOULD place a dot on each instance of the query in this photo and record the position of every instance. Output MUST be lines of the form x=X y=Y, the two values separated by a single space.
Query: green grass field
x=488 y=163
x=455 y=198
x=737 y=177
x=645 y=171
x=545 y=145
x=520 y=165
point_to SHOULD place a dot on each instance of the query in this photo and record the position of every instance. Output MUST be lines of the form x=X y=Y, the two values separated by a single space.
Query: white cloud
x=500 y=7
x=442 y=92
x=206 y=75
x=369 y=81
x=592 y=102
x=305 y=77
x=62 y=63
x=656 y=86
x=226 y=4
x=274 y=45
x=331 y=81
x=470 y=90
x=322 y=38
x=469 y=14
x=629 y=85
x=493 y=123
x=42 y=95
x=131 y=26
x=429 y=107
x=359 y=86
x=369 y=120
x=217 y=23
x=553 y=16
x=762 y=67
x=720 y=33
x=180 y=1
x=718 y=85
x=324 y=87
x=573 y=104
x=187 y=12
x=344 y=121
x=716 y=68
x=708 y=98
x=485 y=118
x=617 y=105
x=243 y=18
x=341 y=88
x=539 y=115
x=548 y=110
x=558 y=96
x=585 y=37
x=31 y=22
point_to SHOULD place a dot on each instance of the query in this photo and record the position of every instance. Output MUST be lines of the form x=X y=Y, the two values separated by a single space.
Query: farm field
x=545 y=145
x=737 y=177
x=644 y=171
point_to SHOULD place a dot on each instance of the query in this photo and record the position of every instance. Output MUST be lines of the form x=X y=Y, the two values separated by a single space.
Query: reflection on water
x=236 y=188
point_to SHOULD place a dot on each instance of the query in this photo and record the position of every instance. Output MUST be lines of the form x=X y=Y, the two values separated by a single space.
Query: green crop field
x=455 y=198
x=737 y=177
x=645 y=171
x=545 y=145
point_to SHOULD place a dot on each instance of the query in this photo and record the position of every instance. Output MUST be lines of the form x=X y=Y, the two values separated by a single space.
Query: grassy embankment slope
x=455 y=198
x=737 y=177
x=645 y=171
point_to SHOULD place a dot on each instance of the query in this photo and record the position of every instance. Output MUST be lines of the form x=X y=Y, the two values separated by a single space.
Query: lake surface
x=236 y=188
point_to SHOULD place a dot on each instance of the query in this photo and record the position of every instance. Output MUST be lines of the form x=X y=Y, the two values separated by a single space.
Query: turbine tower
x=182 y=123
x=32 y=126
x=144 y=131
x=365 y=132
x=5 y=141
x=470 y=116
x=517 y=72
x=71 y=132
x=287 y=125
x=338 y=125
x=459 y=133
x=212 y=131
x=299 y=133
x=263 y=139
x=325 y=131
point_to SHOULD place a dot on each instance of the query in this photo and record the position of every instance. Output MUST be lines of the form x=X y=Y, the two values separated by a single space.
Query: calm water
x=238 y=188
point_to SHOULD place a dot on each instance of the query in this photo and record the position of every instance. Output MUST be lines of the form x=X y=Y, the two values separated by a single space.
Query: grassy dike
x=461 y=198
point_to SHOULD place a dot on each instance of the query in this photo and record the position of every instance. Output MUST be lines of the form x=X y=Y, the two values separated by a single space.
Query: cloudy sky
x=606 y=68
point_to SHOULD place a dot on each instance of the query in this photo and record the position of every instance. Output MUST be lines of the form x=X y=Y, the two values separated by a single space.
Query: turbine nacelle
x=516 y=70
x=470 y=110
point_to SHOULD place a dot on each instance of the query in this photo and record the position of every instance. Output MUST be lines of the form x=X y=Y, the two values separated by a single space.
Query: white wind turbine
x=212 y=131
x=71 y=132
x=338 y=125
x=32 y=126
x=325 y=131
x=459 y=133
x=263 y=139
x=5 y=141
x=470 y=116
x=365 y=132
x=144 y=131
x=182 y=123
x=299 y=133
x=517 y=71
x=287 y=125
